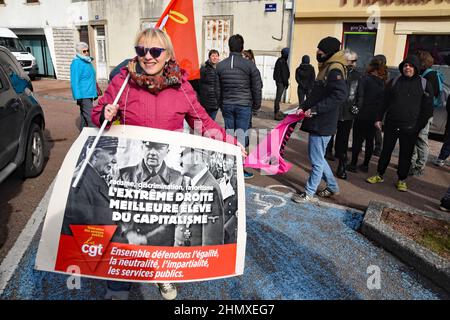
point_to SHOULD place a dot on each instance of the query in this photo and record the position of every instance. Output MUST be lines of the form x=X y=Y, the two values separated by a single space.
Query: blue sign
x=271 y=7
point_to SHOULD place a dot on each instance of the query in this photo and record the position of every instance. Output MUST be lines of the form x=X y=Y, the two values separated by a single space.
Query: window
x=32 y=1
x=437 y=45
x=360 y=39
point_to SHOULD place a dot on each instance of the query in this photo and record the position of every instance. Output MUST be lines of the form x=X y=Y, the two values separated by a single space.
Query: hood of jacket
x=338 y=57
x=411 y=59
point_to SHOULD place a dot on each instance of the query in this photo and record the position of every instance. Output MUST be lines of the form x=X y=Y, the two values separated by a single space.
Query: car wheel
x=34 y=157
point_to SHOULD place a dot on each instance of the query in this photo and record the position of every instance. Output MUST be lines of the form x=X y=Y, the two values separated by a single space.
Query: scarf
x=171 y=76
x=84 y=58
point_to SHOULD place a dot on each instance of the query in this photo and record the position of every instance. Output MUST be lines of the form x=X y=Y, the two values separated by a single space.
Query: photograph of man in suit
x=228 y=186
x=152 y=169
x=194 y=167
x=88 y=203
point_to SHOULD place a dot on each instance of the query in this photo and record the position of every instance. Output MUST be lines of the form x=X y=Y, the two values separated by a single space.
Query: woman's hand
x=111 y=111
x=243 y=151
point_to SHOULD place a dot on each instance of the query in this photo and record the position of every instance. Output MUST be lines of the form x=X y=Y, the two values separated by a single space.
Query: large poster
x=151 y=206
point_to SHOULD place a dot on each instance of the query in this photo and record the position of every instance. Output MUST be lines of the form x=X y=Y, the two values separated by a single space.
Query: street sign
x=271 y=7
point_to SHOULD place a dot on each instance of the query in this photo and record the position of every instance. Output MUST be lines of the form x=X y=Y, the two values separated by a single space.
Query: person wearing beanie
x=321 y=110
x=281 y=76
x=407 y=106
x=304 y=75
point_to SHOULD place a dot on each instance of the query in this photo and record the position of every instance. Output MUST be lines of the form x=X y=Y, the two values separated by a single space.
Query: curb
x=422 y=259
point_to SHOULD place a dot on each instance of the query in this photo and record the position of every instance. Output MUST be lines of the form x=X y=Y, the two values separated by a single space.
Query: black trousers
x=302 y=94
x=342 y=135
x=407 y=140
x=378 y=139
x=280 y=91
x=363 y=130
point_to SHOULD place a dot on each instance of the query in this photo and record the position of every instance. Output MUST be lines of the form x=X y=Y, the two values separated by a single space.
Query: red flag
x=178 y=21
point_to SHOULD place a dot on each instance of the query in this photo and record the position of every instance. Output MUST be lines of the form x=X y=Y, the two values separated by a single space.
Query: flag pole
x=99 y=134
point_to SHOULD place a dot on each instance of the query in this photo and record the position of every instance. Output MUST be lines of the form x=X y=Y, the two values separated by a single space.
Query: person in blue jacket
x=84 y=84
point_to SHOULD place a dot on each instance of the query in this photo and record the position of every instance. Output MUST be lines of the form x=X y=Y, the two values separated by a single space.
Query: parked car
x=439 y=114
x=10 y=40
x=21 y=121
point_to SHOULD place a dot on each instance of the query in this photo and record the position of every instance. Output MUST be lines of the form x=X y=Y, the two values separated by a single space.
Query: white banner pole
x=99 y=134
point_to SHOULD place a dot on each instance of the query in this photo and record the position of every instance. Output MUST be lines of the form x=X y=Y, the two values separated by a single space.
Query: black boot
x=340 y=173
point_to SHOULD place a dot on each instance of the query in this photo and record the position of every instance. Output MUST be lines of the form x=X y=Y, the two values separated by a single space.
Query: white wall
x=48 y=13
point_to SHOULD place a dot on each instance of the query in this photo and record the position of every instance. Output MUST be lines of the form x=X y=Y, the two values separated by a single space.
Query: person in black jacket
x=407 y=106
x=346 y=114
x=281 y=76
x=305 y=76
x=209 y=84
x=240 y=90
x=321 y=111
x=422 y=149
x=368 y=103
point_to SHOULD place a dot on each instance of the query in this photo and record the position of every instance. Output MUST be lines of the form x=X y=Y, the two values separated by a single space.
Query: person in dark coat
x=381 y=58
x=240 y=91
x=210 y=85
x=368 y=102
x=422 y=148
x=281 y=76
x=88 y=203
x=346 y=114
x=201 y=234
x=305 y=76
x=321 y=112
x=407 y=107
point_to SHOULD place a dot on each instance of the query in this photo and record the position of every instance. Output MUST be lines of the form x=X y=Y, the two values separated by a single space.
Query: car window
x=6 y=60
x=3 y=82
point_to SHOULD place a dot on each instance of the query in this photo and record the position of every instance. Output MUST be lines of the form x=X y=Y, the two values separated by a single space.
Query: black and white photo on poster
x=157 y=194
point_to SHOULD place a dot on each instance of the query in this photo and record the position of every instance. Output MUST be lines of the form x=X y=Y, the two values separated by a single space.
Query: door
x=265 y=65
x=100 y=53
x=12 y=115
x=360 y=39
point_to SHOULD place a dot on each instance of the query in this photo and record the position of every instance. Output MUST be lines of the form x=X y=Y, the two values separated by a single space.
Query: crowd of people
x=339 y=101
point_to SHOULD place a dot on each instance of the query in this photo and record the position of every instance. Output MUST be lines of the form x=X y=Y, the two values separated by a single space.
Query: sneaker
x=417 y=172
x=375 y=179
x=326 y=193
x=248 y=175
x=439 y=162
x=401 y=186
x=302 y=197
x=168 y=290
x=442 y=208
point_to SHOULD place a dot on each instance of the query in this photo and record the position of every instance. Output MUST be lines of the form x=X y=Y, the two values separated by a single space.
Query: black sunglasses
x=85 y=51
x=154 y=51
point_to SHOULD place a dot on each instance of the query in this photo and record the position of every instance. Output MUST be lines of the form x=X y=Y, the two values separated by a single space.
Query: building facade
x=390 y=27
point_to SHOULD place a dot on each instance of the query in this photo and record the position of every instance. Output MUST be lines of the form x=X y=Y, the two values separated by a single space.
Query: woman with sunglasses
x=158 y=95
x=83 y=83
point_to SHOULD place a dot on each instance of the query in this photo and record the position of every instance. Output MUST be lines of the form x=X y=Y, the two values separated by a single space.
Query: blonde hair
x=155 y=33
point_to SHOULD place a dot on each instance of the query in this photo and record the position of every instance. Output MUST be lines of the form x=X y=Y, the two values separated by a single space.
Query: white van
x=9 y=40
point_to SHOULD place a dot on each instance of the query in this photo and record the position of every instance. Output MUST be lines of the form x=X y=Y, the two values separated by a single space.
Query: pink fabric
x=166 y=110
x=268 y=155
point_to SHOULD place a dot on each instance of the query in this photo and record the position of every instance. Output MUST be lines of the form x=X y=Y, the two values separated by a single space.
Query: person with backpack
x=421 y=149
x=408 y=107
x=321 y=111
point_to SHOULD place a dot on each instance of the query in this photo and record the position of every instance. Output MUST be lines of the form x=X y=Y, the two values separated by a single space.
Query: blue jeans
x=237 y=118
x=212 y=113
x=320 y=168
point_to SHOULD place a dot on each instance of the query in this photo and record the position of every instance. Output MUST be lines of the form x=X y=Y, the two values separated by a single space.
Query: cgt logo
x=92 y=250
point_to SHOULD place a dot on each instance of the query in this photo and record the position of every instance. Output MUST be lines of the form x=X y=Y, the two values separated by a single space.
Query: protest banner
x=151 y=206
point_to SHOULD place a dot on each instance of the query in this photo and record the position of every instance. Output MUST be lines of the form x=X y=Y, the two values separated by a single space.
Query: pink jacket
x=166 y=110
